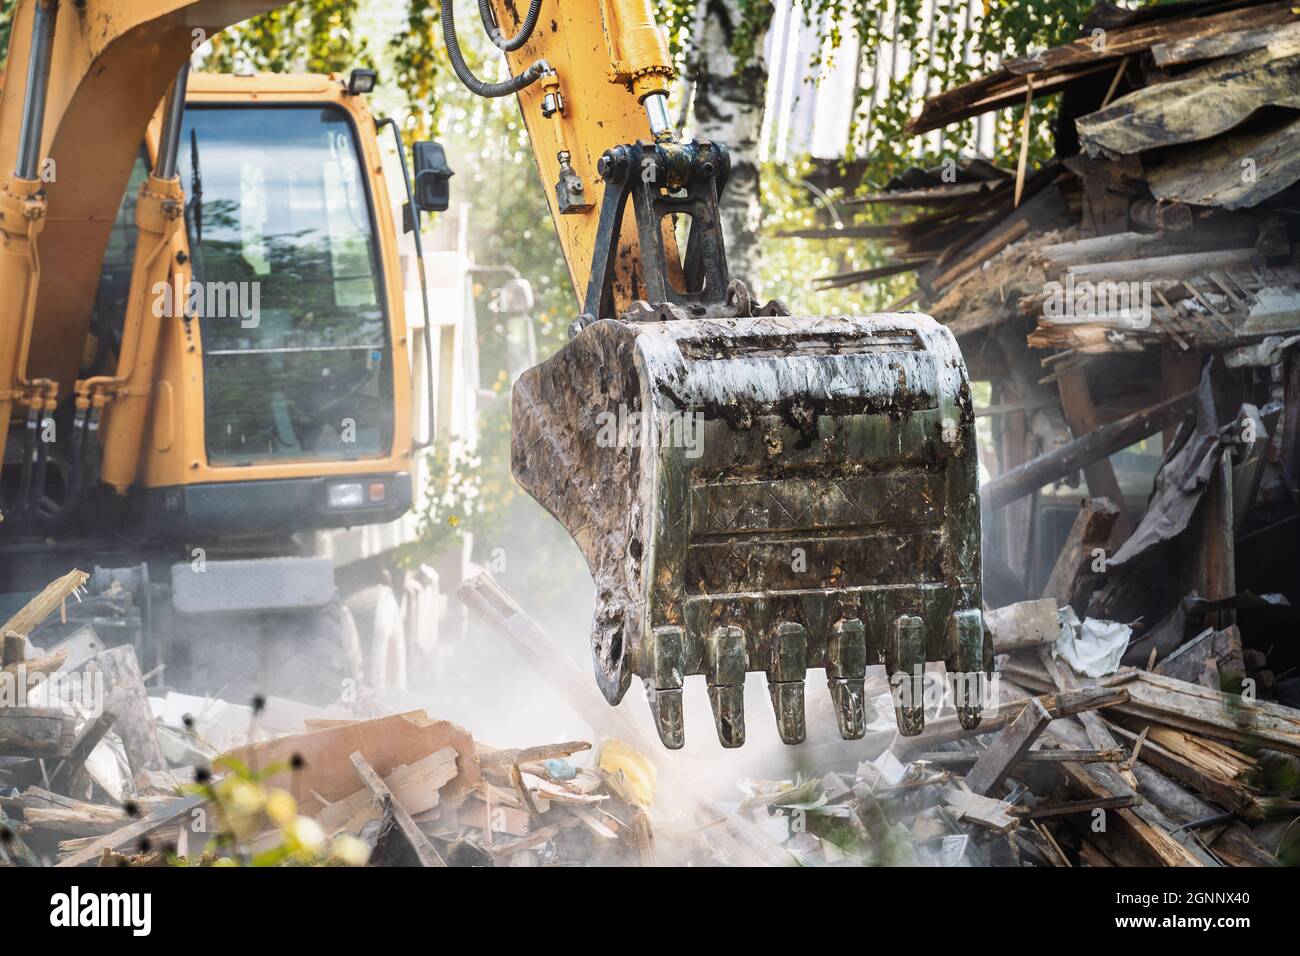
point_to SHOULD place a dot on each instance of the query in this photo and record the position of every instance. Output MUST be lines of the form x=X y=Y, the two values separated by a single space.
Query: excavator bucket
x=765 y=493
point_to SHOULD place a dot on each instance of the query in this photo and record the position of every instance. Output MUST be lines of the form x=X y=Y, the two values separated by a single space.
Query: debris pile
x=1129 y=312
x=94 y=770
x=1135 y=767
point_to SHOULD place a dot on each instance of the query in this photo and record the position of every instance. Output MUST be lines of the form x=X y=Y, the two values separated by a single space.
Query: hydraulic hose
x=72 y=496
x=472 y=82
x=494 y=33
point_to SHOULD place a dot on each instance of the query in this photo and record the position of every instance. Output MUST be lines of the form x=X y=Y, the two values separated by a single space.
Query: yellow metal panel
x=112 y=62
x=599 y=114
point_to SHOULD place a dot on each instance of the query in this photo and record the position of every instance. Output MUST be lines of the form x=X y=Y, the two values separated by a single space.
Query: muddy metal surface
x=766 y=493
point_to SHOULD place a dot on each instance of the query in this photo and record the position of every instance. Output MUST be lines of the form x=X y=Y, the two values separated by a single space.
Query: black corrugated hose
x=472 y=82
x=494 y=31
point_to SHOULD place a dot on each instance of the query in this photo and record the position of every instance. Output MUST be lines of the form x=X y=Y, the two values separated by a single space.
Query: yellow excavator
x=205 y=349
x=204 y=352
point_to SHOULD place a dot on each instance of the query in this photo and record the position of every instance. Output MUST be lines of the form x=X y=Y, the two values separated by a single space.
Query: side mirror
x=432 y=176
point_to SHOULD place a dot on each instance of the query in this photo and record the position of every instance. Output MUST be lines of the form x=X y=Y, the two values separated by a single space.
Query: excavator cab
x=752 y=490
x=282 y=340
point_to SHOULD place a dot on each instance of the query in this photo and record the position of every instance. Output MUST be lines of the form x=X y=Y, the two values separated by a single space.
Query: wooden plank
x=1224 y=792
x=1212 y=713
x=87 y=740
x=1143 y=823
x=1064 y=704
x=1179 y=372
x=389 y=742
x=127 y=838
x=1192 y=49
x=1121 y=246
x=1072 y=807
x=963 y=760
x=36 y=732
x=127 y=699
x=1053 y=68
x=504 y=758
x=1065 y=680
x=1081 y=415
x=1091 y=530
x=415 y=786
x=994 y=765
x=41 y=606
x=1210 y=563
x=1023 y=624
x=1105 y=441
x=980 y=810
x=929 y=195
x=424 y=851
x=1208 y=659
x=1232 y=843
x=1186 y=265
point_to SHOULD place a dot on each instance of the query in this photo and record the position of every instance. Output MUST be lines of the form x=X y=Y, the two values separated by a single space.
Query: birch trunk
x=728 y=109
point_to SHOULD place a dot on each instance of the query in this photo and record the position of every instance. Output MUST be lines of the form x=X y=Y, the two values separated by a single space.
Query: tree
x=727 y=77
x=308 y=36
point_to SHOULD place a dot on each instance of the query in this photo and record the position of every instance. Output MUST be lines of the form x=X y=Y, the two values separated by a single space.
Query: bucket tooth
x=846 y=672
x=727 y=663
x=907 y=682
x=785 y=680
x=967 y=682
x=664 y=689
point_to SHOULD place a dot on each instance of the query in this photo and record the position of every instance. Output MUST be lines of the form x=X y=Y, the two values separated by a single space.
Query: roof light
x=360 y=81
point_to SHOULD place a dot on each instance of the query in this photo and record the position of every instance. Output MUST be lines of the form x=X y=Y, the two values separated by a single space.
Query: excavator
x=205 y=352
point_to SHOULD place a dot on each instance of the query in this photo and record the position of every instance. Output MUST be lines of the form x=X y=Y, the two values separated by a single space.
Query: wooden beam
x=1103 y=442
x=1179 y=372
x=424 y=851
x=87 y=740
x=1081 y=415
x=1072 y=807
x=963 y=760
x=1222 y=791
x=1065 y=679
x=1023 y=624
x=995 y=763
x=948 y=729
x=36 y=732
x=1092 y=529
x=127 y=838
x=1144 y=823
x=1209 y=568
x=127 y=699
